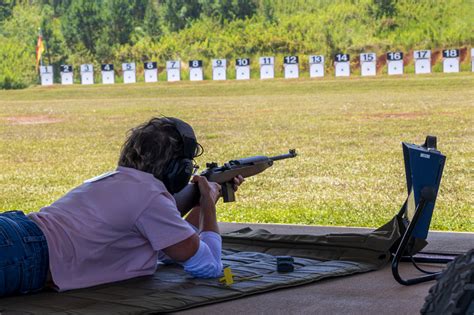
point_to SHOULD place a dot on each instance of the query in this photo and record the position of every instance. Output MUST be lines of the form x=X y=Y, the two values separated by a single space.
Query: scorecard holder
x=424 y=168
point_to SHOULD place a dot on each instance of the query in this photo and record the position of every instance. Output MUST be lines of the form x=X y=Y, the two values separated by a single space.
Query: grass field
x=347 y=131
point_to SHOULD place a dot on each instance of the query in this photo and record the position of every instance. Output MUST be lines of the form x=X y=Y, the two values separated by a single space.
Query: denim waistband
x=24 y=260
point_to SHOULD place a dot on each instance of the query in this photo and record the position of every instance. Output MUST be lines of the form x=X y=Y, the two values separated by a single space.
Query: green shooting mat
x=251 y=256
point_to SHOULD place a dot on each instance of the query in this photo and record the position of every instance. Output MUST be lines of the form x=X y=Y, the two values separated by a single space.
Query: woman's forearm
x=207 y=215
x=193 y=217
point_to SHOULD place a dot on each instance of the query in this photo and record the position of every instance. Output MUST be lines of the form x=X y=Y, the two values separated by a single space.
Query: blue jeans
x=24 y=259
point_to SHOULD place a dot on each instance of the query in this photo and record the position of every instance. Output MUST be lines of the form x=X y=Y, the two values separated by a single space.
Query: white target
x=108 y=74
x=368 y=64
x=395 y=63
x=316 y=66
x=66 y=72
x=195 y=70
x=242 y=69
x=267 y=67
x=219 y=67
x=342 y=65
x=87 y=74
x=129 y=73
x=46 y=73
x=472 y=59
x=151 y=71
x=173 y=70
x=422 y=61
x=450 y=60
x=291 y=67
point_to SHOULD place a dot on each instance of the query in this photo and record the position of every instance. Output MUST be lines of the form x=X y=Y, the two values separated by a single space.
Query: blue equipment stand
x=424 y=167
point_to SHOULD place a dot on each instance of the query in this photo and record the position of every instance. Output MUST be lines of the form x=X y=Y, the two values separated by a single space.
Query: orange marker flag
x=39 y=50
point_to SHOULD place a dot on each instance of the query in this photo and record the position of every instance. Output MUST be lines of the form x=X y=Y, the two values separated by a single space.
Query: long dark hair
x=151 y=146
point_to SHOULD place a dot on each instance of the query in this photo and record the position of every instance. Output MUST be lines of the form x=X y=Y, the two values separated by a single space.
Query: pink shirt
x=109 y=229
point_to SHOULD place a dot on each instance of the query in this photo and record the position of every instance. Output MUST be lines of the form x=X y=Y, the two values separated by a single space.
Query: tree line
x=115 y=31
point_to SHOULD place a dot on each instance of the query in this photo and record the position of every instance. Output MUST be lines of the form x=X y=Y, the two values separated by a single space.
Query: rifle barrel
x=290 y=154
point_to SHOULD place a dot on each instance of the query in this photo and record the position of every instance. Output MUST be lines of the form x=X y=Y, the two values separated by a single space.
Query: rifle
x=224 y=175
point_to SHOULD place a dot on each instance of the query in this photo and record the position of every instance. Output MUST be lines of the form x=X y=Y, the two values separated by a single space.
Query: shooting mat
x=249 y=253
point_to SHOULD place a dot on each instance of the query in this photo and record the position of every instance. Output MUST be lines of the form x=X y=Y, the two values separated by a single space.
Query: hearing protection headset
x=178 y=172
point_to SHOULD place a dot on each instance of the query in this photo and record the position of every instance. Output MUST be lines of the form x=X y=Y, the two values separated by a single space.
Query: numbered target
x=291 y=67
x=342 y=65
x=472 y=59
x=242 y=69
x=219 y=67
x=87 y=74
x=450 y=60
x=46 y=74
x=151 y=71
x=395 y=63
x=422 y=61
x=129 y=73
x=173 y=70
x=195 y=70
x=316 y=66
x=108 y=74
x=267 y=67
x=368 y=64
x=66 y=72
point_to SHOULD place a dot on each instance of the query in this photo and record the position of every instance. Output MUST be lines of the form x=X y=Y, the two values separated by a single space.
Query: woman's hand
x=237 y=182
x=207 y=189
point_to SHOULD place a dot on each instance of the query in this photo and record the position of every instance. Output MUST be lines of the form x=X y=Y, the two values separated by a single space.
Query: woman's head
x=155 y=145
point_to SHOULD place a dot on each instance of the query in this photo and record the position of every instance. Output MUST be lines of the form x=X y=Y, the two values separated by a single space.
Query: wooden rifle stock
x=224 y=175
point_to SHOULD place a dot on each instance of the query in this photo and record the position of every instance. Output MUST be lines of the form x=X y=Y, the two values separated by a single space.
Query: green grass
x=347 y=131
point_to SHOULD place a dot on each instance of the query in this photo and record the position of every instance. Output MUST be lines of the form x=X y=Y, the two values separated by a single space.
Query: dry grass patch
x=32 y=120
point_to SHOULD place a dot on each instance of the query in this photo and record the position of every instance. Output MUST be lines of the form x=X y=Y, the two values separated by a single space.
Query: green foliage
x=18 y=36
x=23 y=24
x=122 y=30
x=120 y=21
x=82 y=25
x=16 y=65
x=177 y=14
x=228 y=10
x=56 y=49
x=59 y=7
x=139 y=8
x=6 y=8
x=267 y=10
x=151 y=23
x=384 y=8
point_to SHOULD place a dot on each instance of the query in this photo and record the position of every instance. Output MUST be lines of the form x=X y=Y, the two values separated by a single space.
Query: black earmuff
x=177 y=174
x=179 y=171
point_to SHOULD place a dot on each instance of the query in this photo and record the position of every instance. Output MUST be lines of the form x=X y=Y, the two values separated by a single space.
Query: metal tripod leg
x=426 y=196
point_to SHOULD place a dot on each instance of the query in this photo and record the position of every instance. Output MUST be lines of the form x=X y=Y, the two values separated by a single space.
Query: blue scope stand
x=424 y=168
